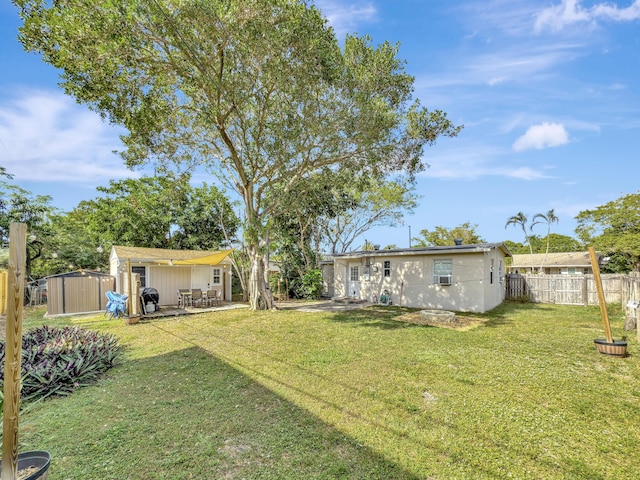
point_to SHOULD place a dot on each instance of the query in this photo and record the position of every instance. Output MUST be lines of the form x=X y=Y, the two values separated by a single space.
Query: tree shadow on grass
x=187 y=414
x=382 y=317
x=391 y=317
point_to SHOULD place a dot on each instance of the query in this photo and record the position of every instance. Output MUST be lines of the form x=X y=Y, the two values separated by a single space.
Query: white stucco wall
x=411 y=284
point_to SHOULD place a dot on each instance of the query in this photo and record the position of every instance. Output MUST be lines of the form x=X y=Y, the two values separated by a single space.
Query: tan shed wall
x=167 y=280
x=78 y=294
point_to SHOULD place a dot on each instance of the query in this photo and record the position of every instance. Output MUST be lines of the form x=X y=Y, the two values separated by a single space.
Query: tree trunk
x=260 y=295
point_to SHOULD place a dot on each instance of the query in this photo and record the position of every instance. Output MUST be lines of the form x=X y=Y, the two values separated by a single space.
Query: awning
x=213 y=259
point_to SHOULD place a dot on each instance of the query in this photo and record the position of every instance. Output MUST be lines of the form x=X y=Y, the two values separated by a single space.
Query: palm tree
x=548 y=218
x=521 y=219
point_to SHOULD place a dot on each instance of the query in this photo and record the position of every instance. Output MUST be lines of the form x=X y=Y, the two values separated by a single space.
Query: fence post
x=13 y=346
x=3 y=292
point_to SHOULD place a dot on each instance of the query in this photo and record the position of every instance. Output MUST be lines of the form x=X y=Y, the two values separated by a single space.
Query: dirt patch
x=462 y=322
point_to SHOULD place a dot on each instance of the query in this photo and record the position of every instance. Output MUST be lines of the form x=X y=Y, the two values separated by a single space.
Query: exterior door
x=354 y=281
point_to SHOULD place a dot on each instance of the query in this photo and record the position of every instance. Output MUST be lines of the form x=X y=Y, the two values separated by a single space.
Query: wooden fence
x=572 y=289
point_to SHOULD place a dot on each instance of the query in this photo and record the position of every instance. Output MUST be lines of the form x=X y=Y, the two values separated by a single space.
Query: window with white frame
x=443 y=271
x=217 y=276
x=354 y=274
x=386 y=268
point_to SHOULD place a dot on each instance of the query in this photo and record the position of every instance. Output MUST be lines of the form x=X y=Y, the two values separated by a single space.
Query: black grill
x=150 y=295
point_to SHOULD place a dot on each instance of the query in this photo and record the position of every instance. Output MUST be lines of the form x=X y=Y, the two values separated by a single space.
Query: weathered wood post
x=606 y=345
x=3 y=292
x=13 y=351
x=601 y=299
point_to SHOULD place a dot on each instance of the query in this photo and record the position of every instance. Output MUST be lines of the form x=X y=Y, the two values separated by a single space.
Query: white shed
x=168 y=270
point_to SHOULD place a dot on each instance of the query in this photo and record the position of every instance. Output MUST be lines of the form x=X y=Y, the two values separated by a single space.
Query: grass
x=519 y=392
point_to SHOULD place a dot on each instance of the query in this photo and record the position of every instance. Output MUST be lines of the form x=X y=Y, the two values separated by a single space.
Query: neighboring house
x=568 y=263
x=468 y=278
x=169 y=270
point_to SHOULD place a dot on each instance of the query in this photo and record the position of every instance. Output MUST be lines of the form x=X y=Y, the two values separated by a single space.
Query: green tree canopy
x=259 y=92
x=443 y=236
x=158 y=212
x=614 y=228
x=557 y=244
x=367 y=202
x=21 y=206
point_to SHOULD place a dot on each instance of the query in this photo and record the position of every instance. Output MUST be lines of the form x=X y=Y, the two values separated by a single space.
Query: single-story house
x=567 y=263
x=169 y=270
x=468 y=278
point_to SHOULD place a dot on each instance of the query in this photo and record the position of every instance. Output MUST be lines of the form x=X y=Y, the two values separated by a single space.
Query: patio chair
x=197 y=300
x=116 y=304
x=212 y=298
x=184 y=297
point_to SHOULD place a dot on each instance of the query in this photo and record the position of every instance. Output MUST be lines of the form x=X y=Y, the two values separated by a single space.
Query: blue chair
x=116 y=304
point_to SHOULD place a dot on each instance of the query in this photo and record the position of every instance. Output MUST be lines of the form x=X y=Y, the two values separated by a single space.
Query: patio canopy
x=165 y=256
x=212 y=259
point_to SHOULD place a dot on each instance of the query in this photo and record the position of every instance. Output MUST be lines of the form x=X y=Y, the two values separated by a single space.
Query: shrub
x=56 y=360
x=310 y=286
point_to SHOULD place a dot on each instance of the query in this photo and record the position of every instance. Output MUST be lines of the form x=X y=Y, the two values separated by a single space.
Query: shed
x=169 y=270
x=82 y=291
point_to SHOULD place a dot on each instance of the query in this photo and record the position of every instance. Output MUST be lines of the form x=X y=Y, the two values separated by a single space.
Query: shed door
x=354 y=281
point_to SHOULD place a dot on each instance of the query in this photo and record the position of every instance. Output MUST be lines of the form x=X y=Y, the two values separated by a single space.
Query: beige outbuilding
x=465 y=278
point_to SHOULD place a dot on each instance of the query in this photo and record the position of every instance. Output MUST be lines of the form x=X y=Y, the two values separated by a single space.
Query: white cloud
x=524 y=173
x=570 y=12
x=542 y=136
x=47 y=137
x=475 y=161
x=345 y=17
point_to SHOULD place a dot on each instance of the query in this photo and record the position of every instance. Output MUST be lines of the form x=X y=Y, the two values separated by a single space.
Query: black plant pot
x=617 y=348
x=39 y=459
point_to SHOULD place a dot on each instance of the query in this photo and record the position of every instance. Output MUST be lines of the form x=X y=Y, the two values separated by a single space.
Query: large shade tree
x=259 y=92
x=372 y=202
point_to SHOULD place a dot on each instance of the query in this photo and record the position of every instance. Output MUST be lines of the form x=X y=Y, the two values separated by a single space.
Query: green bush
x=310 y=285
x=56 y=360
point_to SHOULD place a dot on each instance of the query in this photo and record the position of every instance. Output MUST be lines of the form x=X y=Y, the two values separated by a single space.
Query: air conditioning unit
x=444 y=280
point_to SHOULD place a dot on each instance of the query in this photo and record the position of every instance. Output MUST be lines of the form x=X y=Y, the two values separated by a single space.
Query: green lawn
x=293 y=395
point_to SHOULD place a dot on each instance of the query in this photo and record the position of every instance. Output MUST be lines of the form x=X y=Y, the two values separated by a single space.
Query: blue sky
x=548 y=92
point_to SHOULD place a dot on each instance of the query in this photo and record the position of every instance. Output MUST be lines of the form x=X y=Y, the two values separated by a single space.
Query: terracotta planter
x=131 y=320
x=39 y=460
x=617 y=348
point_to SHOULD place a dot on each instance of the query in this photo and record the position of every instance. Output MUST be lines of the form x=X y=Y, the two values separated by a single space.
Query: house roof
x=167 y=256
x=562 y=259
x=79 y=273
x=446 y=250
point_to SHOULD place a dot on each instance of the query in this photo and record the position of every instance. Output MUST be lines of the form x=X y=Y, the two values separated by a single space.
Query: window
x=387 y=268
x=142 y=271
x=354 y=274
x=216 y=276
x=443 y=272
